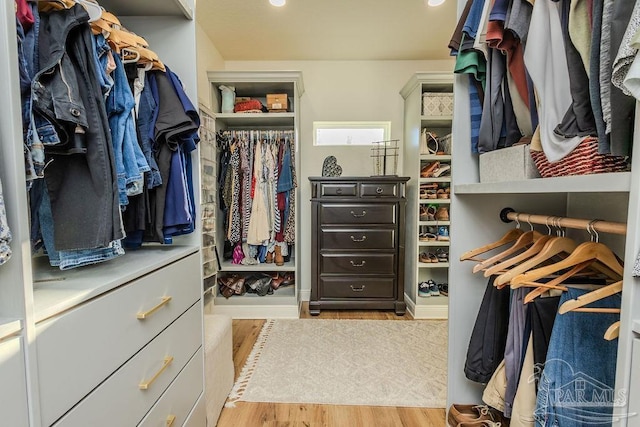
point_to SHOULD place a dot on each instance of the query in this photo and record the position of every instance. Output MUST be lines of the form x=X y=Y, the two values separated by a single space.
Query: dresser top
x=381 y=178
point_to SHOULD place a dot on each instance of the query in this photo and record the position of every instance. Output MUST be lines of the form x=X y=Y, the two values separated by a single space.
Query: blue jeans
x=577 y=383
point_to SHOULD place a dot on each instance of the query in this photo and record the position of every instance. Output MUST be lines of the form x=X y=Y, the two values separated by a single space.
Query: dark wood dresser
x=357 y=243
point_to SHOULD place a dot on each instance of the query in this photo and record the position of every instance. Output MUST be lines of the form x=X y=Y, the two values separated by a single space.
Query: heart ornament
x=330 y=167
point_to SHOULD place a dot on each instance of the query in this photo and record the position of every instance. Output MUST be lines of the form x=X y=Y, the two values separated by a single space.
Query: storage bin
x=507 y=164
x=437 y=104
x=277 y=101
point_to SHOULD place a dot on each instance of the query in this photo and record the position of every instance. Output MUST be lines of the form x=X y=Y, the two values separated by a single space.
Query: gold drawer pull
x=362 y=239
x=353 y=264
x=146 y=384
x=144 y=314
x=170 y=420
x=359 y=216
x=357 y=289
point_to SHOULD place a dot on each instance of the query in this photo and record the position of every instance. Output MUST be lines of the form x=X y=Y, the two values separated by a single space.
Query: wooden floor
x=249 y=414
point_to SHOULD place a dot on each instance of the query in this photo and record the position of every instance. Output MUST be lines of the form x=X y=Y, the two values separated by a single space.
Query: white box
x=507 y=164
x=437 y=104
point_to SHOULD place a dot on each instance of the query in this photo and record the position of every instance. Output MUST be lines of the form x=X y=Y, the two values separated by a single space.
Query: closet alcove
x=611 y=197
x=72 y=340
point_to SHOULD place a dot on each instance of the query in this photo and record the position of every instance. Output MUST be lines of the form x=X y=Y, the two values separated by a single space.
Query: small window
x=350 y=133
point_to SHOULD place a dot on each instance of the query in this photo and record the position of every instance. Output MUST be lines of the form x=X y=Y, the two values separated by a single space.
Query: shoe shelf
x=433 y=223
x=436 y=121
x=433 y=264
x=439 y=179
x=436 y=157
x=434 y=201
x=228 y=266
x=434 y=243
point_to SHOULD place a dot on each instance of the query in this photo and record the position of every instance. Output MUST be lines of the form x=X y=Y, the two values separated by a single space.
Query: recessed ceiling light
x=279 y=3
x=435 y=2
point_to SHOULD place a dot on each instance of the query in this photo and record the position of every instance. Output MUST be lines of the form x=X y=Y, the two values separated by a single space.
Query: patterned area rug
x=347 y=362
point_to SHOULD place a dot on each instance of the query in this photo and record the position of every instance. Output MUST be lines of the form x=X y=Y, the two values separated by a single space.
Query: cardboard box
x=507 y=164
x=437 y=104
x=277 y=101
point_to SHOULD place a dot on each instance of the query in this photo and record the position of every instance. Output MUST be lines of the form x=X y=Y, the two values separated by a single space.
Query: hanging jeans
x=577 y=383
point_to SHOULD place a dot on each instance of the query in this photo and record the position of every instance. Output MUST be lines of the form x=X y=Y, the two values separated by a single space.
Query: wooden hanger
x=509 y=237
x=594 y=251
x=552 y=284
x=591 y=297
x=524 y=240
x=534 y=249
x=553 y=247
x=51 y=5
x=612 y=331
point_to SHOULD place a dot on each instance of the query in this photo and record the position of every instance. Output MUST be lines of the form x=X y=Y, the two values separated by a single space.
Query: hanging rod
x=510 y=215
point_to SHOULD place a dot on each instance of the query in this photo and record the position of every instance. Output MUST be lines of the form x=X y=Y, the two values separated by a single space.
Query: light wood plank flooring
x=249 y=414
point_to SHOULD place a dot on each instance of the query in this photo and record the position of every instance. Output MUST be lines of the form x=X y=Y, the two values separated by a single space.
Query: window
x=350 y=133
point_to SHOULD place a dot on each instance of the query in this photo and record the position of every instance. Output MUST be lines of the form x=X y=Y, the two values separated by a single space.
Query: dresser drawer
x=122 y=400
x=80 y=348
x=345 y=189
x=13 y=388
x=360 y=213
x=357 y=238
x=176 y=403
x=357 y=263
x=381 y=189
x=341 y=287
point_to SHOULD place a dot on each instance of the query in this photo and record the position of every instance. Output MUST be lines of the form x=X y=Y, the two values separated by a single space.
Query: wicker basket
x=583 y=160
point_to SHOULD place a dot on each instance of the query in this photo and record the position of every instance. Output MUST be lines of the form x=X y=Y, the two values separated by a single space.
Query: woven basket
x=583 y=160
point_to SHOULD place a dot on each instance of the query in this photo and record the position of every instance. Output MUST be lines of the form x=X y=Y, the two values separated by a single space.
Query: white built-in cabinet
x=416 y=119
x=613 y=197
x=285 y=301
x=114 y=344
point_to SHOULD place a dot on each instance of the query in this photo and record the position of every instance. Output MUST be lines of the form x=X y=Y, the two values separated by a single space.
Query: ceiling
x=328 y=29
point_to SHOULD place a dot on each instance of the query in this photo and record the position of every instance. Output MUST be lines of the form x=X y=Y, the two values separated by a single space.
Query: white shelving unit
x=432 y=307
x=613 y=197
x=36 y=298
x=285 y=301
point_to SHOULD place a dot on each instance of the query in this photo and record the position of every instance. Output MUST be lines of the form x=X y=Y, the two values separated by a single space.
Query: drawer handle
x=146 y=384
x=358 y=288
x=144 y=314
x=359 y=216
x=359 y=240
x=338 y=190
x=379 y=190
x=358 y=265
x=170 y=420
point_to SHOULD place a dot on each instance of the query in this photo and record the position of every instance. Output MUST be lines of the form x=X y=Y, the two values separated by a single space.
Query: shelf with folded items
x=253 y=120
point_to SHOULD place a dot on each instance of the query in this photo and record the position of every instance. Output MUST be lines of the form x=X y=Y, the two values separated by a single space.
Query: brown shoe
x=475 y=416
x=278 y=258
x=442 y=214
x=428 y=170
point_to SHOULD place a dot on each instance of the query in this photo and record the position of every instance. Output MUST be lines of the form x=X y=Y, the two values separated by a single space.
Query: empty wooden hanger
x=534 y=249
x=612 y=331
x=588 y=251
x=524 y=240
x=591 y=297
x=541 y=288
x=509 y=237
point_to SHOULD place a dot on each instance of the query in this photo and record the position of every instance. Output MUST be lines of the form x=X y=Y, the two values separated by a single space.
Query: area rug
x=347 y=362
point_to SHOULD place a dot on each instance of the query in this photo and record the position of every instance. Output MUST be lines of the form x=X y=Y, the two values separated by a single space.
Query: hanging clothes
x=5 y=233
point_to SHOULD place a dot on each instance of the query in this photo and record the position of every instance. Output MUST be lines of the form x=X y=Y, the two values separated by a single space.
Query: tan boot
x=269 y=258
x=278 y=258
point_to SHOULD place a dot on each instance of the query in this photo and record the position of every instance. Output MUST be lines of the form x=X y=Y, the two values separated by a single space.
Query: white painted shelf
x=598 y=183
x=284 y=295
x=439 y=179
x=439 y=157
x=433 y=223
x=256 y=120
x=636 y=326
x=436 y=121
x=433 y=265
x=9 y=327
x=434 y=243
x=433 y=300
x=435 y=201
x=230 y=267
x=144 y=7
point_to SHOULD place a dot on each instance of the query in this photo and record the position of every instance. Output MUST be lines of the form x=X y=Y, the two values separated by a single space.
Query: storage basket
x=437 y=104
x=583 y=160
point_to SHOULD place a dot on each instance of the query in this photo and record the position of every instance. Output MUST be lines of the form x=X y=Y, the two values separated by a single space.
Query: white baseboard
x=305 y=294
x=433 y=312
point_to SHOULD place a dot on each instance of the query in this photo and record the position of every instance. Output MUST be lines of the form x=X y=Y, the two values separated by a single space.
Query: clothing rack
x=595 y=225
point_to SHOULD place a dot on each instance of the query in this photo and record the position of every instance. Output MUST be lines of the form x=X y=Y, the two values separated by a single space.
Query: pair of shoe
x=444 y=289
x=435 y=170
x=428 y=258
x=443 y=193
x=427 y=237
x=475 y=415
x=428 y=213
x=428 y=288
x=443 y=233
x=442 y=255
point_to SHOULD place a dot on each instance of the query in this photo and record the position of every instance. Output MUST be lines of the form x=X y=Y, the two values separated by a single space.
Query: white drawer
x=173 y=407
x=13 y=384
x=198 y=415
x=120 y=401
x=78 y=349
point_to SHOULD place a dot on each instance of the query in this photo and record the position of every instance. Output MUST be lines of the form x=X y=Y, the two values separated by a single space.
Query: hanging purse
x=428 y=142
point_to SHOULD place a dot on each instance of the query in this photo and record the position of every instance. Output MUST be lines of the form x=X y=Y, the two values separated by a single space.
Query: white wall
x=342 y=90
x=208 y=59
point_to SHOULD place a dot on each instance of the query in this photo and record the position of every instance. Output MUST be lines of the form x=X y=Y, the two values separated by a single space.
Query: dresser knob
x=362 y=239
x=338 y=190
x=353 y=264
x=379 y=190
x=359 y=215
x=357 y=288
